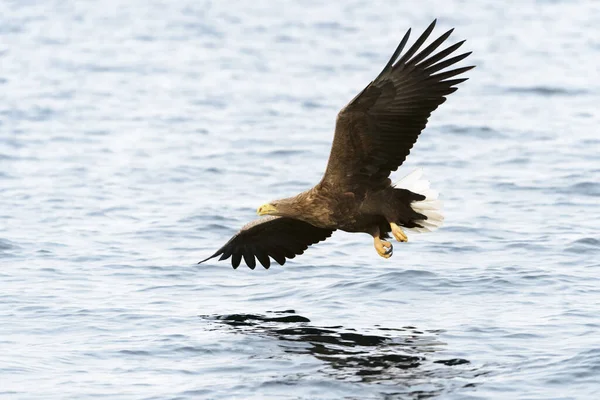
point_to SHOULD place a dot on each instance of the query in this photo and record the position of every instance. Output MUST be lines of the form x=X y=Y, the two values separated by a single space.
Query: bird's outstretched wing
x=376 y=130
x=275 y=237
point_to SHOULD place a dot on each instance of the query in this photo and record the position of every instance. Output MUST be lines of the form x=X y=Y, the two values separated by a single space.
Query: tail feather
x=430 y=207
x=433 y=205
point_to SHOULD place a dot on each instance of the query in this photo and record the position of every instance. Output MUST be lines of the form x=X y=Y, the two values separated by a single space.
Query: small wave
x=584 y=245
x=588 y=242
x=334 y=26
x=472 y=131
x=312 y=104
x=282 y=152
x=547 y=91
x=6 y=245
x=34 y=114
x=515 y=161
x=282 y=38
x=7 y=249
x=135 y=352
x=584 y=188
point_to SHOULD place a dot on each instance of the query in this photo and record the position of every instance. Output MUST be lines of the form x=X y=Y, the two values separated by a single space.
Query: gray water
x=136 y=137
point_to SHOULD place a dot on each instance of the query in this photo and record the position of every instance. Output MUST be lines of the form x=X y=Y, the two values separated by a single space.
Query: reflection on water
x=405 y=356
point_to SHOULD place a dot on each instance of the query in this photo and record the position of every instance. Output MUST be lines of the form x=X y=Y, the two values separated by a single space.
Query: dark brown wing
x=275 y=237
x=376 y=130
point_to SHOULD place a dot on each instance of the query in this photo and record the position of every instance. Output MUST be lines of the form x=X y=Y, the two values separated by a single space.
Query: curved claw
x=384 y=248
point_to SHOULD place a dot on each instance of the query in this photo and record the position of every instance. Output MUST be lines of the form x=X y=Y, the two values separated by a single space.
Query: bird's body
x=374 y=134
x=326 y=207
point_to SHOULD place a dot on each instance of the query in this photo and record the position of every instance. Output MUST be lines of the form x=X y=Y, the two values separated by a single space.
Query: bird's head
x=267 y=209
x=281 y=208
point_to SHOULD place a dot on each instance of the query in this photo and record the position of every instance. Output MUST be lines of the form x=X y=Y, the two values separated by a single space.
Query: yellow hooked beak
x=266 y=209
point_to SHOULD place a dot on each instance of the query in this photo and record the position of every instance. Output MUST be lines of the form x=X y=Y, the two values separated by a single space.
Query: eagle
x=373 y=136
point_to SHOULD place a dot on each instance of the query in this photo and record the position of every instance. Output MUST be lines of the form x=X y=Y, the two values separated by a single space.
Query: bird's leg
x=398 y=233
x=383 y=247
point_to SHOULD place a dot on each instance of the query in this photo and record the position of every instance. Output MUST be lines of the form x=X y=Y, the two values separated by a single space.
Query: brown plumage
x=373 y=136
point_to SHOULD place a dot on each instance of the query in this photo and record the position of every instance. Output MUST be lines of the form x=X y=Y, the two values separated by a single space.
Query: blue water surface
x=137 y=136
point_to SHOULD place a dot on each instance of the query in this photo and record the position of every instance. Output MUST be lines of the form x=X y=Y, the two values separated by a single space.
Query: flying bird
x=374 y=133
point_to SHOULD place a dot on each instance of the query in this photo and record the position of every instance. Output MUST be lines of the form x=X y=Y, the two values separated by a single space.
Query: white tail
x=430 y=207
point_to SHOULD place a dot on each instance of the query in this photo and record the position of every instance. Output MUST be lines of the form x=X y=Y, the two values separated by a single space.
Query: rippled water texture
x=136 y=137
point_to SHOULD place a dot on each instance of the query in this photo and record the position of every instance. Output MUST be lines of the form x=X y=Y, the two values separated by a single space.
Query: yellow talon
x=384 y=248
x=398 y=233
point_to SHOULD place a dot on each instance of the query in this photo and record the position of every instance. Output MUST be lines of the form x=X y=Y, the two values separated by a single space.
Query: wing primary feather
x=235 y=260
x=446 y=63
x=249 y=258
x=226 y=253
x=429 y=49
x=288 y=253
x=220 y=251
x=277 y=256
x=446 y=92
x=396 y=53
x=441 y=55
x=416 y=45
x=263 y=258
x=449 y=74
x=452 y=82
